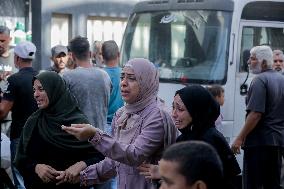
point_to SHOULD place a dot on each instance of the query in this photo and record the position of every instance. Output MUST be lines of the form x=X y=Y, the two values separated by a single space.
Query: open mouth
x=39 y=102
x=177 y=123
x=124 y=93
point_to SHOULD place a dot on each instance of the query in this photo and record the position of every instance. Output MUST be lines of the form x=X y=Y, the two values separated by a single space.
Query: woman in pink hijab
x=142 y=129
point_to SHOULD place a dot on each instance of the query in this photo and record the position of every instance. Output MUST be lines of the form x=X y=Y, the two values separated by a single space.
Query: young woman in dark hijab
x=47 y=156
x=194 y=114
x=202 y=111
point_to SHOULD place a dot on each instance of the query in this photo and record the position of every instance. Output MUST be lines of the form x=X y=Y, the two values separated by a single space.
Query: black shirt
x=41 y=152
x=20 y=91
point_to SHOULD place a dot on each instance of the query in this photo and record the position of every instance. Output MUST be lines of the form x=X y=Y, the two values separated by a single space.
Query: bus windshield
x=188 y=46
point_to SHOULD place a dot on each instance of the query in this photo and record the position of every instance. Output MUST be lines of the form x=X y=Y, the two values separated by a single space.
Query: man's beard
x=2 y=51
x=257 y=69
x=278 y=69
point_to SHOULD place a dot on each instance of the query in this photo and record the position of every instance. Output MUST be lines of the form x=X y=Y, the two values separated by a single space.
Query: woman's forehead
x=128 y=70
x=37 y=82
x=178 y=100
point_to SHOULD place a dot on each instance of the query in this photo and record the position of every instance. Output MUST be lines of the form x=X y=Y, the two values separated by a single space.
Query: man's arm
x=251 y=122
x=5 y=107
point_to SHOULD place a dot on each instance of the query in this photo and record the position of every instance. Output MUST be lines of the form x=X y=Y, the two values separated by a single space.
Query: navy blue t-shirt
x=20 y=91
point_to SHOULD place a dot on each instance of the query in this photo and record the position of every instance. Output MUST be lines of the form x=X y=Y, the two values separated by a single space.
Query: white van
x=204 y=42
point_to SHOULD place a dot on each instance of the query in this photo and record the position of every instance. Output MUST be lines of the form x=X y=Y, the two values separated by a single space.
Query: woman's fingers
x=80 y=131
x=75 y=128
x=60 y=175
x=143 y=169
x=79 y=125
x=69 y=129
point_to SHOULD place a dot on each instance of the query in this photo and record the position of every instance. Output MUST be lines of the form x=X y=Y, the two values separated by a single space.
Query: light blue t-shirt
x=115 y=101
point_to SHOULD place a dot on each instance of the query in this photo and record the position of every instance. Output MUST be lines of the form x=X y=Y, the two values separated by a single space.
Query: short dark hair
x=215 y=90
x=25 y=60
x=4 y=30
x=80 y=47
x=196 y=160
x=110 y=50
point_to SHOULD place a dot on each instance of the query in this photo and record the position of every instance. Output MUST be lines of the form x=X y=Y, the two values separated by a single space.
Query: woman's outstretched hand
x=80 y=131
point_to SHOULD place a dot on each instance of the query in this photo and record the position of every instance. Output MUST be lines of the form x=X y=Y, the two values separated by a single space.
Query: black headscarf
x=204 y=110
x=62 y=110
x=202 y=107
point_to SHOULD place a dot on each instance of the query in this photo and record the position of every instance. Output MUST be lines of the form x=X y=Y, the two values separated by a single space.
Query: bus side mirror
x=244 y=86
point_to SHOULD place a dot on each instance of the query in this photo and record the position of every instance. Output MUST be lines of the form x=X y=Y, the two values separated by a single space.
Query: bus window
x=253 y=36
x=273 y=36
x=273 y=11
x=189 y=46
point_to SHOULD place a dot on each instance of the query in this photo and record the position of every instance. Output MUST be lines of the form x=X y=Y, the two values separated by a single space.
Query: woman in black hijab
x=47 y=156
x=201 y=107
x=195 y=112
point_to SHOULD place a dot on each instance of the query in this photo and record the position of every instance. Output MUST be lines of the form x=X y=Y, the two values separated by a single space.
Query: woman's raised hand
x=80 y=131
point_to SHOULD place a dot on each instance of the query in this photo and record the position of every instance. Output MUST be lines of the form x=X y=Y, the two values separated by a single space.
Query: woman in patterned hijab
x=142 y=129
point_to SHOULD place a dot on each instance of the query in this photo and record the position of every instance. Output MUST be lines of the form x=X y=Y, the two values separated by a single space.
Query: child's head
x=217 y=92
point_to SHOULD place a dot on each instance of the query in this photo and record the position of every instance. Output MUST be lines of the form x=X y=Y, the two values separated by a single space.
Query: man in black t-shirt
x=18 y=98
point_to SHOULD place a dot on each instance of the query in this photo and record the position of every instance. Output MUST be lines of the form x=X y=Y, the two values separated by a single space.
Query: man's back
x=91 y=87
x=115 y=97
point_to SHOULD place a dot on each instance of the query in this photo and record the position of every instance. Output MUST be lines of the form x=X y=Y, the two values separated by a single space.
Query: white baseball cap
x=25 y=50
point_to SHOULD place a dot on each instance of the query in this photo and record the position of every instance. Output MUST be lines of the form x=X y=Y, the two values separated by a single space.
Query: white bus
x=204 y=42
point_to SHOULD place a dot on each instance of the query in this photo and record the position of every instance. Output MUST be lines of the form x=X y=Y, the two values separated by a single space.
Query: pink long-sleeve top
x=140 y=140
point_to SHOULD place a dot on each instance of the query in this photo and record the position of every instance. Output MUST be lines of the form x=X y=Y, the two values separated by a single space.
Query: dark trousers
x=262 y=167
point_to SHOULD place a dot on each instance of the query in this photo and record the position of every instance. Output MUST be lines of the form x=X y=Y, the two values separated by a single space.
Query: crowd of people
x=84 y=122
